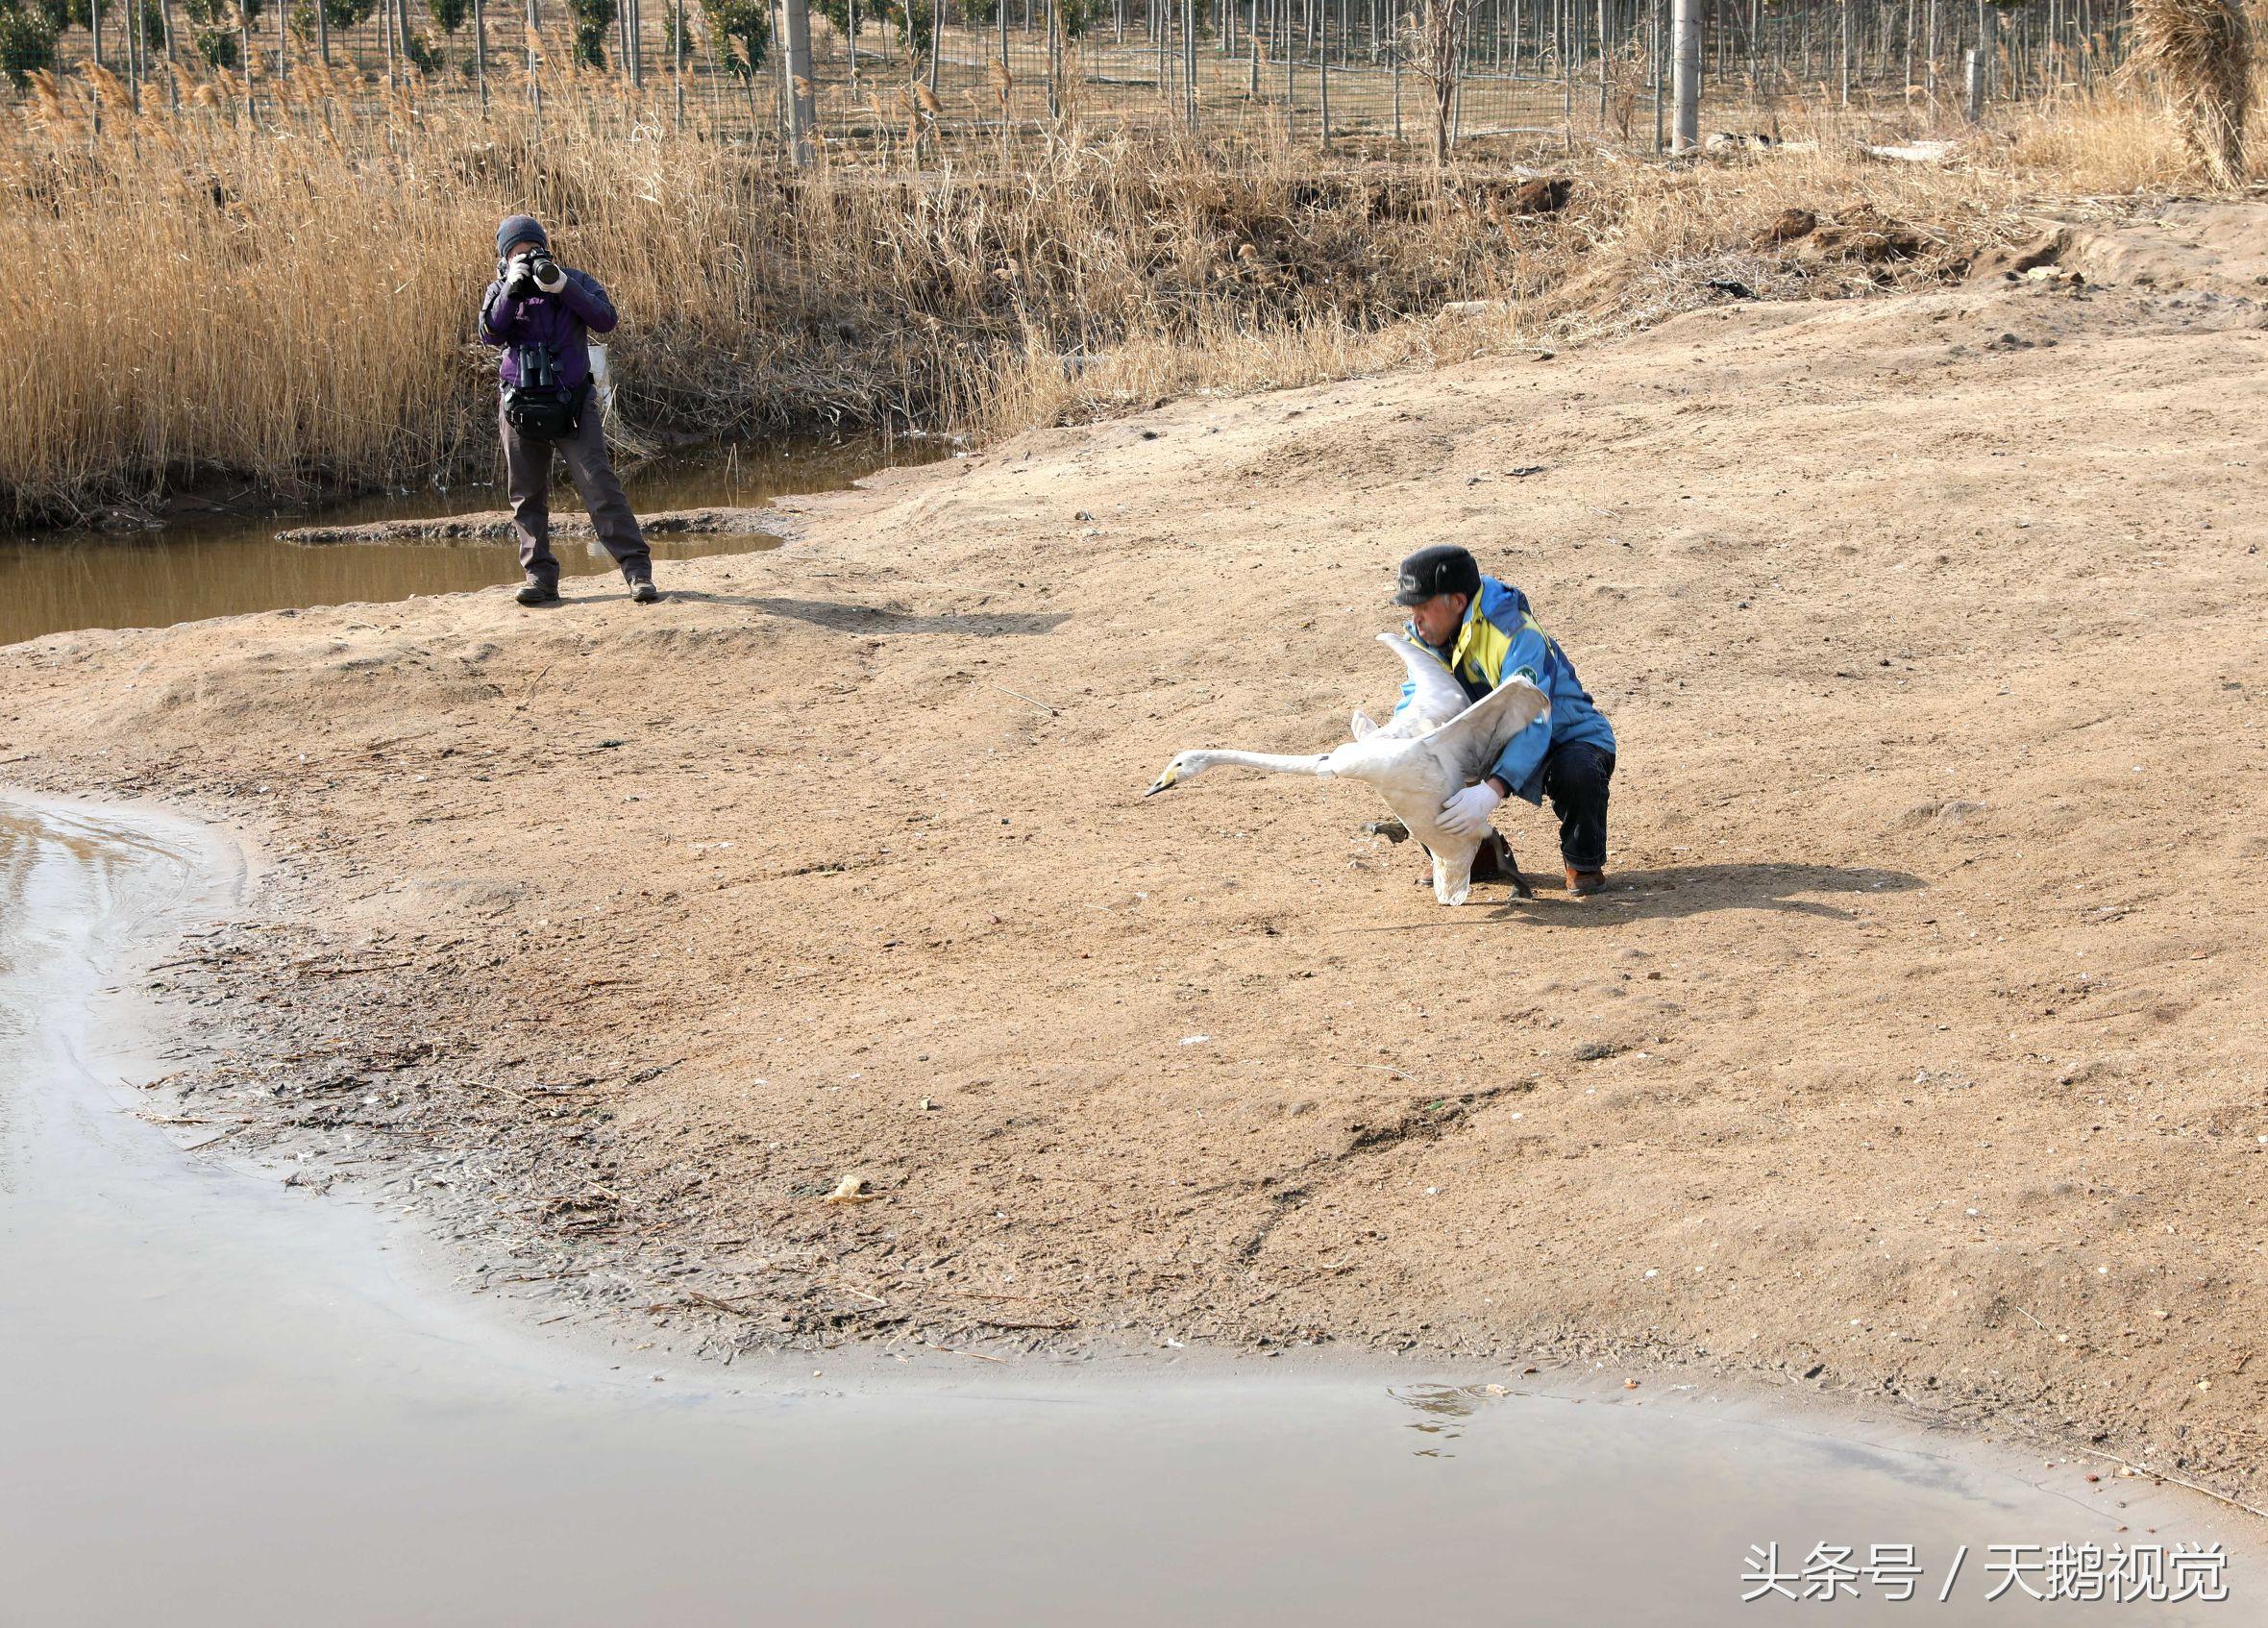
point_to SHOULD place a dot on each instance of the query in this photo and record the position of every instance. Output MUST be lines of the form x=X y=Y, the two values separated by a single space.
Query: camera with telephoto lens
x=521 y=272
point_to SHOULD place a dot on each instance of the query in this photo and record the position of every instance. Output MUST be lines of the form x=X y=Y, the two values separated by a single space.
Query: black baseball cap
x=1442 y=569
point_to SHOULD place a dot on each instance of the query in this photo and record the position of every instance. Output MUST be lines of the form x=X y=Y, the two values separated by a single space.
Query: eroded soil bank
x=1916 y=1052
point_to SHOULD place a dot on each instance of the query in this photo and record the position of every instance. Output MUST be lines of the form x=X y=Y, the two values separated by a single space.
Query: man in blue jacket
x=541 y=314
x=1485 y=635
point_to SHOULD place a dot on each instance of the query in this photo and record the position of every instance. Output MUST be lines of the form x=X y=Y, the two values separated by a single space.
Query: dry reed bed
x=193 y=301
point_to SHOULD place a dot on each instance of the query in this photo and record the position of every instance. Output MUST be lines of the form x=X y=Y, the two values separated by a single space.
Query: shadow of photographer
x=874 y=619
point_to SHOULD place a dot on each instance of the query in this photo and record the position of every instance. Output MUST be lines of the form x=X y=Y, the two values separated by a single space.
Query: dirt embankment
x=498 y=527
x=1917 y=1050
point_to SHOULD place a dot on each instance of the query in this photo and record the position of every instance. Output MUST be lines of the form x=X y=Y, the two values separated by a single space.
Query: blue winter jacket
x=1500 y=640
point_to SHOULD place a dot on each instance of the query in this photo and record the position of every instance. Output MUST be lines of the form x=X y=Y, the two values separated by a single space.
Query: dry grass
x=1639 y=243
x=194 y=300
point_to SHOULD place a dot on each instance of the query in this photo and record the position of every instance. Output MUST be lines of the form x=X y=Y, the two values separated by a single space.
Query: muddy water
x=225 y=1401
x=185 y=571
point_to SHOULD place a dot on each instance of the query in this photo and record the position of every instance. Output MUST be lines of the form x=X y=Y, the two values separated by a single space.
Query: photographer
x=540 y=313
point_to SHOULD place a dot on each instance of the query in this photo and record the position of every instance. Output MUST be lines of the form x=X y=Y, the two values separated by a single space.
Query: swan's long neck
x=1272 y=762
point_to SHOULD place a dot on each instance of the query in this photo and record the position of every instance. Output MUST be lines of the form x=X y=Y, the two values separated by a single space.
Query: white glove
x=552 y=278
x=1466 y=814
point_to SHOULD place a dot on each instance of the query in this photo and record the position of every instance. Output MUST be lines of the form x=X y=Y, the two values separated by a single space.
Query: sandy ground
x=1910 y=1056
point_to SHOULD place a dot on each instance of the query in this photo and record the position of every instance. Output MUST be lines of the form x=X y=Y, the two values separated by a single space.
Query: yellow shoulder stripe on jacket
x=1481 y=653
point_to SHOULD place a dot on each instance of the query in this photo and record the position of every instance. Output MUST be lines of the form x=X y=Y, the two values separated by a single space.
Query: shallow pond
x=192 y=569
x=226 y=1401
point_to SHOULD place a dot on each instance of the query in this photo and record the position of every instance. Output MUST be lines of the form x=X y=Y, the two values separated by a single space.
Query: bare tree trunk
x=1684 y=46
x=1929 y=63
x=794 y=58
x=534 y=63
x=1441 y=37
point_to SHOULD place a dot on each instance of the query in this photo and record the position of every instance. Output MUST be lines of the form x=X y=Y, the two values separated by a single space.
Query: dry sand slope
x=1919 y=1049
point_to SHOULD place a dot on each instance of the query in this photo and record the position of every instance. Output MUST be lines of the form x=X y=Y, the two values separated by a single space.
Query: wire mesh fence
x=932 y=75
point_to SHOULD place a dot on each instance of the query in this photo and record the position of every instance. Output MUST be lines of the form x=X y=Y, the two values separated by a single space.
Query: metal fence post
x=1981 y=59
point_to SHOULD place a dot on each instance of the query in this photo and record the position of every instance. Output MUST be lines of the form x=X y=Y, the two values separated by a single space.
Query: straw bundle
x=2201 y=52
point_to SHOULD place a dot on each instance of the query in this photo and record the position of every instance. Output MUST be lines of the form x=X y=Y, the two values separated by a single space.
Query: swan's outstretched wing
x=1475 y=737
x=1435 y=696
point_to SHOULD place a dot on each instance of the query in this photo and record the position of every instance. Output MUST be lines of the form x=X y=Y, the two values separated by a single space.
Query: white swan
x=1435 y=747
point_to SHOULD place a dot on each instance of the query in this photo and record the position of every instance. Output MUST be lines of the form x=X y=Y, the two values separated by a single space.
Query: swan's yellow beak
x=1165 y=782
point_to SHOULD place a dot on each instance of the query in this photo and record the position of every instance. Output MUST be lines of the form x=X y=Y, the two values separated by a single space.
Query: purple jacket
x=562 y=321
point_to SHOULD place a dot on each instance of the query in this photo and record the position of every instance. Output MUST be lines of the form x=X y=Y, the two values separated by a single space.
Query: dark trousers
x=1575 y=777
x=527 y=478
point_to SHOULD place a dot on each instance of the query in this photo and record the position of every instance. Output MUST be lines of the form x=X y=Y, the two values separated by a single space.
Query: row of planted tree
x=1339 y=63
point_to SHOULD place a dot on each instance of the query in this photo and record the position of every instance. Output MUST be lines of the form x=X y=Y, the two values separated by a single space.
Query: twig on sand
x=954 y=1352
x=845 y=1289
x=696 y=1296
x=1021 y=696
x=2169 y=1475
x=505 y=1090
x=1427 y=926
x=350 y=971
x=222 y=1137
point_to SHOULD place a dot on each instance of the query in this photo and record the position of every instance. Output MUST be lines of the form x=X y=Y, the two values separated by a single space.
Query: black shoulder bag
x=539 y=407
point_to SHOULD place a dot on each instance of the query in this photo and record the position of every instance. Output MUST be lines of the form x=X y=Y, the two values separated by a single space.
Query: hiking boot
x=1584 y=883
x=643 y=591
x=532 y=592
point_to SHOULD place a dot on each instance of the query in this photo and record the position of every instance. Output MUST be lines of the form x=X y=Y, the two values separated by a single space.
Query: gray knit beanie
x=519 y=228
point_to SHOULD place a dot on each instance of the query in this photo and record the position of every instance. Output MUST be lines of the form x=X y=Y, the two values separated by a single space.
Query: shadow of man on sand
x=873 y=619
x=1691 y=890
